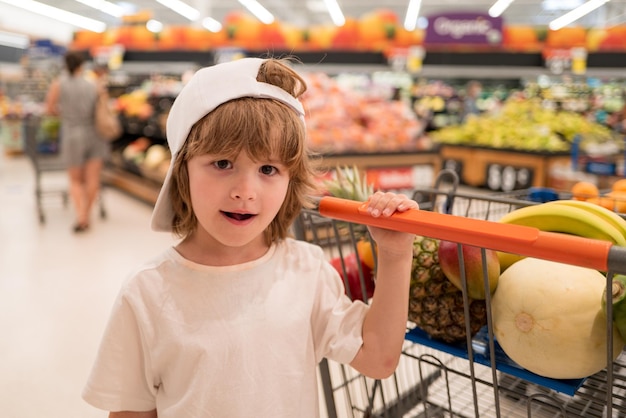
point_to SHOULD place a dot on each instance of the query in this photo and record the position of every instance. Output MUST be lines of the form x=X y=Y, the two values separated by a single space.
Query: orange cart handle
x=516 y=239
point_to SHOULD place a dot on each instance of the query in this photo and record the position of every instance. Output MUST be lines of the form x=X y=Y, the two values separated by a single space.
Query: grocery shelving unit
x=438 y=64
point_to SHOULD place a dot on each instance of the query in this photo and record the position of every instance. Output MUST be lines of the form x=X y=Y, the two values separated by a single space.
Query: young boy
x=233 y=321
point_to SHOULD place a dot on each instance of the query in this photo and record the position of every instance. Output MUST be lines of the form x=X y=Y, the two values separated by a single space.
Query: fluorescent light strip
x=181 y=8
x=258 y=10
x=211 y=24
x=412 y=13
x=499 y=7
x=104 y=6
x=14 y=40
x=576 y=14
x=335 y=12
x=58 y=14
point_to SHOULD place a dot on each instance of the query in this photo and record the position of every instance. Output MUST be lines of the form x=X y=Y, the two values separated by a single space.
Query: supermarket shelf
x=137 y=186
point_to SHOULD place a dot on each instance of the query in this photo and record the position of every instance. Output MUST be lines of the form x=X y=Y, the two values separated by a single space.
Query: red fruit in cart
x=473 y=264
x=352 y=278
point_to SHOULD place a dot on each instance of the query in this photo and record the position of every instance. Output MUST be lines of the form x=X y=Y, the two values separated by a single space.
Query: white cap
x=206 y=90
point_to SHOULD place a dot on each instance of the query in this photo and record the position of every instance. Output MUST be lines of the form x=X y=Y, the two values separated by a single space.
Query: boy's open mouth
x=238 y=216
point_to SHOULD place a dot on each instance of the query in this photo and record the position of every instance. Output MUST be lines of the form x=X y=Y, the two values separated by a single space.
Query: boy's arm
x=385 y=323
x=131 y=414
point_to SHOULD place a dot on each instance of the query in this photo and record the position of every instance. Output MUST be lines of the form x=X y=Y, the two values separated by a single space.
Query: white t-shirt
x=240 y=341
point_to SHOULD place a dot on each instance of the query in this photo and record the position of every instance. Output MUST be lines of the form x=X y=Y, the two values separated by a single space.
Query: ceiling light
x=104 y=6
x=14 y=40
x=58 y=14
x=499 y=7
x=154 y=26
x=316 y=6
x=576 y=14
x=181 y=8
x=258 y=10
x=412 y=13
x=335 y=12
x=559 y=5
x=211 y=24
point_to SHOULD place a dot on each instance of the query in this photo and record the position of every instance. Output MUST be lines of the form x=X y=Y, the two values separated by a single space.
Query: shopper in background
x=233 y=320
x=470 y=101
x=617 y=120
x=73 y=98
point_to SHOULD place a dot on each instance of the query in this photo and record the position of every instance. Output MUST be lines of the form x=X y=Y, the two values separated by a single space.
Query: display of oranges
x=614 y=200
x=584 y=190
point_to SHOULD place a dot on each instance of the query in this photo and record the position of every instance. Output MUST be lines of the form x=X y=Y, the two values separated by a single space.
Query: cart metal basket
x=42 y=147
x=474 y=379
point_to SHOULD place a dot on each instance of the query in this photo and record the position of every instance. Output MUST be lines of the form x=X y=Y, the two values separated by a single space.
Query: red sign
x=391 y=178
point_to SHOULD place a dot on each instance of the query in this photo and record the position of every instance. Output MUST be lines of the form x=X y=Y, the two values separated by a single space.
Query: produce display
x=525 y=125
x=341 y=120
x=614 y=200
x=548 y=318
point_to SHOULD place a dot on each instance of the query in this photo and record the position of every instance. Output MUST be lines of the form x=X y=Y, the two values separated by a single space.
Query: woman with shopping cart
x=73 y=98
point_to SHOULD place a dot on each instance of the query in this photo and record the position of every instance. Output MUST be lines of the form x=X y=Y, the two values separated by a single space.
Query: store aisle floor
x=56 y=290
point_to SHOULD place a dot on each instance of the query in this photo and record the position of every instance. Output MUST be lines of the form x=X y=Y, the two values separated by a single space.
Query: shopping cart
x=474 y=379
x=42 y=147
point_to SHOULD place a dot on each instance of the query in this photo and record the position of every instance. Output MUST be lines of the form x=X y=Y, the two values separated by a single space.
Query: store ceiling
x=310 y=12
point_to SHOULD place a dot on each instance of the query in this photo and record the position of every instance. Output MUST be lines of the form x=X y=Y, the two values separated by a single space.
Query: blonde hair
x=261 y=128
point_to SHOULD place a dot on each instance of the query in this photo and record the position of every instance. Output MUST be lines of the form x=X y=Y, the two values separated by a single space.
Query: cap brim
x=163 y=213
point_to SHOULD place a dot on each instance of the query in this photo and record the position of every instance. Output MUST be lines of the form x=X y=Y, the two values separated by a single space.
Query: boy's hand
x=386 y=204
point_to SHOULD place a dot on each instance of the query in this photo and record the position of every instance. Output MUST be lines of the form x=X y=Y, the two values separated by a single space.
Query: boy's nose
x=244 y=189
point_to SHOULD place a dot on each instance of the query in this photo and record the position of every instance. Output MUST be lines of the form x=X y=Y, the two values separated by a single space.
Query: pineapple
x=349 y=184
x=435 y=304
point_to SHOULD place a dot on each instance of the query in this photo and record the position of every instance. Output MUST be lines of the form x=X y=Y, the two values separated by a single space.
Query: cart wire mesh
x=435 y=379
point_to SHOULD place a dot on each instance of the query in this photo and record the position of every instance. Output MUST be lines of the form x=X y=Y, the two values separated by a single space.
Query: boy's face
x=235 y=200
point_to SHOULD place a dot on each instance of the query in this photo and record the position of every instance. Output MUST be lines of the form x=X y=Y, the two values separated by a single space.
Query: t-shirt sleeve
x=121 y=378
x=338 y=321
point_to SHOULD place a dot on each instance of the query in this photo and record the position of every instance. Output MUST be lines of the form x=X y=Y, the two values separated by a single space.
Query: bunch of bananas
x=574 y=217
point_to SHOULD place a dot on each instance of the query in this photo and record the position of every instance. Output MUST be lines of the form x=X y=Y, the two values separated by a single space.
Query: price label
x=507 y=178
x=453 y=165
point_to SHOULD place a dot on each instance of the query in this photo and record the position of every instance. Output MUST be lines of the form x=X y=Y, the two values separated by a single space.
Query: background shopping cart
x=42 y=145
x=475 y=379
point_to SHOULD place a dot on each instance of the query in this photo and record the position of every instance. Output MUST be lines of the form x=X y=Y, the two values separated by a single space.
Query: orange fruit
x=366 y=252
x=584 y=190
x=619 y=186
x=604 y=201
x=619 y=197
